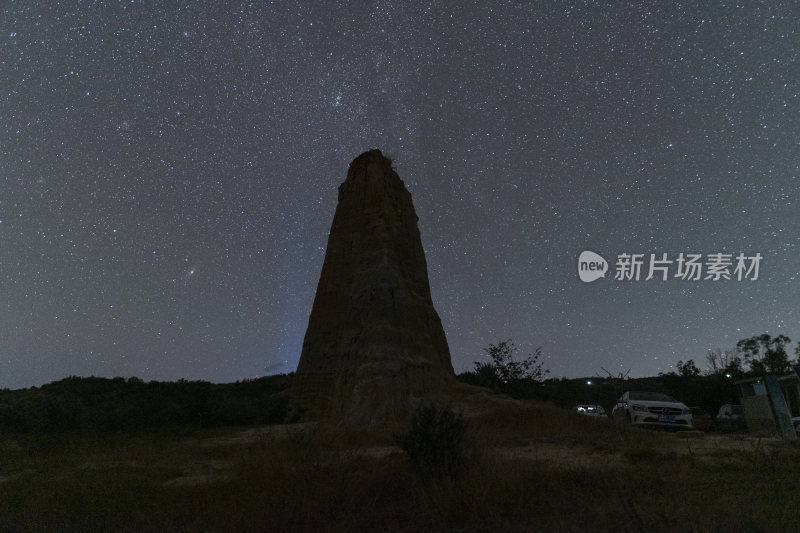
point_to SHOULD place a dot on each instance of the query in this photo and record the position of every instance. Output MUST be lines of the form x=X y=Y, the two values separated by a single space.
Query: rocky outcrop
x=374 y=342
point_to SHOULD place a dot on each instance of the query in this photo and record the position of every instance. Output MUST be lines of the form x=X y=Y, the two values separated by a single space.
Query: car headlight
x=686 y=411
x=639 y=407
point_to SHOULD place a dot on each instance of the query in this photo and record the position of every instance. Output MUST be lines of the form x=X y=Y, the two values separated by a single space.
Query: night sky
x=168 y=176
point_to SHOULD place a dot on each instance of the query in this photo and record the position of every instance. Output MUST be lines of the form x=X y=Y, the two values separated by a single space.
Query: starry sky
x=169 y=174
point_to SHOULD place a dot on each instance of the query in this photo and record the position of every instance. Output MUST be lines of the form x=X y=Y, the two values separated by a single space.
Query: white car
x=594 y=411
x=731 y=418
x=642 y=408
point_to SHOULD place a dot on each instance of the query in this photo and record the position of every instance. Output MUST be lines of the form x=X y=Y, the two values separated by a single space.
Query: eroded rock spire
x=374 y=341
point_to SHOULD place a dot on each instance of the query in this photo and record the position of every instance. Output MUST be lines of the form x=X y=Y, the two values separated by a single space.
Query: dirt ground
x=706 y=448
x=212 y=458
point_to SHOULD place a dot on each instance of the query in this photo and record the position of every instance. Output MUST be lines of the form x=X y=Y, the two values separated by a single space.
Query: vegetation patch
x=322 y=478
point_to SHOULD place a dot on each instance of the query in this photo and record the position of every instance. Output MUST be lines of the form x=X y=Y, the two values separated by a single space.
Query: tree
x=503 y=367
x=726 y=363
x=766 y=354
x=688 y=368
x=734 y=368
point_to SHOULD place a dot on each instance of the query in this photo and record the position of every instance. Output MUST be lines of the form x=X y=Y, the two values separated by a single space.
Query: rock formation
x=374 y=342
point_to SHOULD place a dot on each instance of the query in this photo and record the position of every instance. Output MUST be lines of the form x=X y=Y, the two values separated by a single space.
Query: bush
x=436 y=441
x=503 y=368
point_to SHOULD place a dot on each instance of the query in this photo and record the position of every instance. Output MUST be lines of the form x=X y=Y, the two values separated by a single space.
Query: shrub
x=436 y=441
x=503 y=368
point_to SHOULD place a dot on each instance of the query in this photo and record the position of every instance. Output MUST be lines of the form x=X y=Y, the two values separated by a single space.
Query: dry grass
x=532 y=468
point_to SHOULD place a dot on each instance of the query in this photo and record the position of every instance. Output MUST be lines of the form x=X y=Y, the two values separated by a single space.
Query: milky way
x=168 y=176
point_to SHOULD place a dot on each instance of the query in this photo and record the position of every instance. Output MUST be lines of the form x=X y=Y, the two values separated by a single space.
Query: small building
x=790 y=385
x=772 y=404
